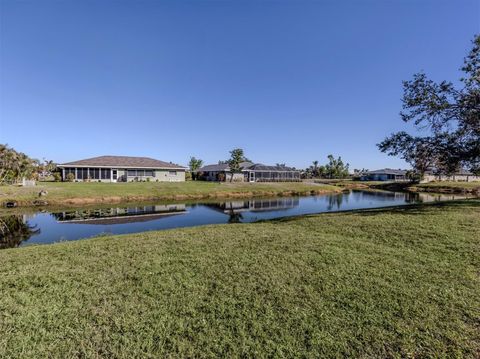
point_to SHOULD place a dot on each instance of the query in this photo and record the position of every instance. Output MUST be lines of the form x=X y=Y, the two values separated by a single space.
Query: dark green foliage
x=334 y=169
x=451 y=116
x=14 y=230
x=194 y=165
x=236 y=157
x=15 y=165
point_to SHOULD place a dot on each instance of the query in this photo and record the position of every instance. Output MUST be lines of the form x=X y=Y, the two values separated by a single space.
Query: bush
x=221 y=177
x=188 y=176
x=57 y=177
x=70 y=177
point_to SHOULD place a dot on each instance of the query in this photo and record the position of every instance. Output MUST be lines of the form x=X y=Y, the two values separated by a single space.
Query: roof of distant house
x=387 y=171
x=245 y=166
x=122 y=162
x=461 y=172
x=222 y=167
x=262 y=167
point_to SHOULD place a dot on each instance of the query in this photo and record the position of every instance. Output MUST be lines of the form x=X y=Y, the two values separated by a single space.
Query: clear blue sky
x=288 y=81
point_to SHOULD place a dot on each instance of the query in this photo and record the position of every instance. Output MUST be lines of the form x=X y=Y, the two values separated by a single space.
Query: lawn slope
x=397 y=283
x=67 y=193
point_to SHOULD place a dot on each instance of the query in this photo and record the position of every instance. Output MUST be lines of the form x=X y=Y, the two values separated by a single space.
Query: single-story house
x=122 y=169
x=459 y=176
x=386 y=174
x=249 y=172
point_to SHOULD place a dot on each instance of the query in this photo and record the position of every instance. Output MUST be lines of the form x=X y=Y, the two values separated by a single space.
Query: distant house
x=122 y=169
x=459 y=176
x=386 y=174
x=250 y=172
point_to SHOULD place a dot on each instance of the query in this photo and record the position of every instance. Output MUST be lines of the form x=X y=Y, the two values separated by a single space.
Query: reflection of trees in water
x=234 y=217
x=411 y=197
x=14 y=230
x=335 y=201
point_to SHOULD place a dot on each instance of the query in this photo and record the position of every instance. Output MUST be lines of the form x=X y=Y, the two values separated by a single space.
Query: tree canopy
x=236 y=157
x=335 y=168
x=194 y=164
x=15 y=165
x=450 y=117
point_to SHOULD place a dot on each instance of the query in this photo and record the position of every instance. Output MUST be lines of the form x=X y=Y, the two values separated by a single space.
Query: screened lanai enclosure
x=250 y=172
x=264 y=173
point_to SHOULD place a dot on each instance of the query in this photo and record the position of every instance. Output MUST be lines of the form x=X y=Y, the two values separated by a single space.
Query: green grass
x=446 y=184
x=381 y=283
x=67 y=193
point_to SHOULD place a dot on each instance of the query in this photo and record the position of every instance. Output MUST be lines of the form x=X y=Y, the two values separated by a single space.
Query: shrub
x=57 y=177
x=221 y=177
x=70 y=177
x=188 y=176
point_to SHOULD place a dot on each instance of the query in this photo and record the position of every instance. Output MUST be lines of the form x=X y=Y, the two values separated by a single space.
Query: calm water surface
x=68 y=225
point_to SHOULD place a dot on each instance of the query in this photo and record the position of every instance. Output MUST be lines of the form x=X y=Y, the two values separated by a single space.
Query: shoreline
x=255 y=192
x=431 y=187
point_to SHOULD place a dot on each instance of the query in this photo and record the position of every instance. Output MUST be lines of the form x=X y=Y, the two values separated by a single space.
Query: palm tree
x=315 y=168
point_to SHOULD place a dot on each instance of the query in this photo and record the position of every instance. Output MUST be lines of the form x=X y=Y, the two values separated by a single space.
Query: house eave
x=122 y=167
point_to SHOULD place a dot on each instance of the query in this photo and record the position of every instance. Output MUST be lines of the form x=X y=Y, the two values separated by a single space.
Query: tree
x=15 y=165
x=194 y=165
x=450 y=117
x=236 y=157
x=315 y=169
x=335 y=168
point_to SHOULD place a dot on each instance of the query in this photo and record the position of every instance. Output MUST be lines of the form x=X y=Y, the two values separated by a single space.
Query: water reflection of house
x=256 y=205
x=120 y=215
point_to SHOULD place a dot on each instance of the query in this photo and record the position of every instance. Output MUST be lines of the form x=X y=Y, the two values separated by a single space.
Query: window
x=95 y=173
x=172 y=173
x=141 y=173
x=82 y=173
x=105 y=173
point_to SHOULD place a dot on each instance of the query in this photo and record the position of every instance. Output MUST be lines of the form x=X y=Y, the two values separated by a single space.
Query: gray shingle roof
x=262 y=167
x=388 y=171
x=244 y=166
x=122 y=162
x=222 y=167
x=214 y=168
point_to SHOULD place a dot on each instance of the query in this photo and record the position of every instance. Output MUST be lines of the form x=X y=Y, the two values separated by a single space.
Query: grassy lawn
x=395 y=283
x=67 y=193
x=446 y=185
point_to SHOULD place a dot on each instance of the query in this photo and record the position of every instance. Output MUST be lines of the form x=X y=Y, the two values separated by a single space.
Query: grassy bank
x=448 y=187
x=66 y=193
x=437 y=187
x=395 y=283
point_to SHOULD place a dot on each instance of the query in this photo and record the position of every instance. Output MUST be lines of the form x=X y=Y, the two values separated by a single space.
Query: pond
x=49 y=227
